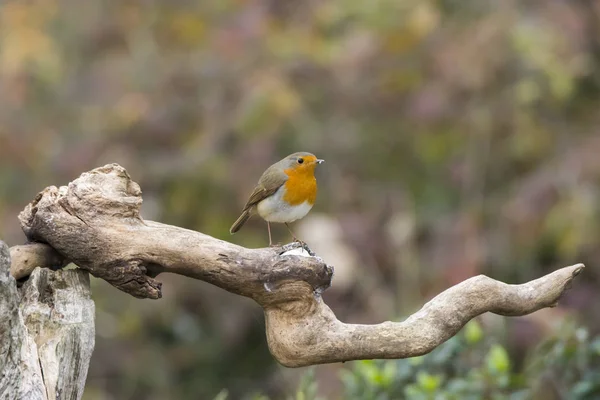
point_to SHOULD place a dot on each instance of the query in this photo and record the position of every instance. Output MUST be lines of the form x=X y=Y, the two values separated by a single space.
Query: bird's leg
x=269 y=229
x=271 y=244
x=294 y=236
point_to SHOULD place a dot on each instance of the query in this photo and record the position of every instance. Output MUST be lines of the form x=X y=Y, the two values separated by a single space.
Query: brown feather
x=270 y=181
x=239 y=222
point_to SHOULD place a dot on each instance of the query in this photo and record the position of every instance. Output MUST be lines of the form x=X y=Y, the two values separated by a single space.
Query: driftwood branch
x=95 y=223
x=46 y=334
x=26 y=258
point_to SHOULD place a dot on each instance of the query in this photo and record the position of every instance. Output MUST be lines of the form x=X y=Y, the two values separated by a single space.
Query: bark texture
x=25 y=258
x=95 y=222
x=47 y=333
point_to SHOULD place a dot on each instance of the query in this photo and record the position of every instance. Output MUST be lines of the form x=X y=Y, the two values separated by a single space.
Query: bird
x=285 y=192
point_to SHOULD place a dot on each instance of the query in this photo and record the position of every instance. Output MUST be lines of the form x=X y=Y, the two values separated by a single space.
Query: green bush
x=470 y=366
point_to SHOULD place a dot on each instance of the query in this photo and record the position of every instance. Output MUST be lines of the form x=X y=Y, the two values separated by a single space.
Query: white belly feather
x=274 y=209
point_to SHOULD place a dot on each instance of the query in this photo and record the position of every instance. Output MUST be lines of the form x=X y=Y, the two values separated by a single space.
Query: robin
x=285 y=192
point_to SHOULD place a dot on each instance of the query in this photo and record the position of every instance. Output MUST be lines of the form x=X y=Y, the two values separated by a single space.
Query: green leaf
x=413 y=392
x=473 y=332
x=417 y=360
x=497 y=360
x=369 y=371
x=581 y=390
x=222 y=395
x=386 y=374
x=429 y=383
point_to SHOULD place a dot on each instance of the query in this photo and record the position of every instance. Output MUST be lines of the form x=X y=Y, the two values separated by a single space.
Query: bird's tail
x=240 y=222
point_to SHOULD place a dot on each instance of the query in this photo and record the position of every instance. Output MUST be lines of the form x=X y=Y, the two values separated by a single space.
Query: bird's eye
x=300 y=160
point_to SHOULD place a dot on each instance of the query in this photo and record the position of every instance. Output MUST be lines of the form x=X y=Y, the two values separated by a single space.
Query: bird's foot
x=297 y=245
x=302 y=243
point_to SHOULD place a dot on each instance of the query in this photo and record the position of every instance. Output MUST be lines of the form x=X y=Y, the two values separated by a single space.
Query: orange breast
x=301 y=186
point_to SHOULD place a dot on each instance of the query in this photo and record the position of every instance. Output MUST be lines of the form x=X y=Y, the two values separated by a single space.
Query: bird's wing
x=268 y=184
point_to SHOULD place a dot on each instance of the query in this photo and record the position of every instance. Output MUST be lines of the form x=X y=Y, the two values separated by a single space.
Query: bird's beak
x=319 y=161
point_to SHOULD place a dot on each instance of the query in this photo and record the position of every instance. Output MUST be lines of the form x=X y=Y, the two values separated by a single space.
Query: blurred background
x=460 y=138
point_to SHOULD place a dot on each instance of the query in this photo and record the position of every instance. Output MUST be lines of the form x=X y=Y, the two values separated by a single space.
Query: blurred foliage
x=470 y=366
x=461 y=137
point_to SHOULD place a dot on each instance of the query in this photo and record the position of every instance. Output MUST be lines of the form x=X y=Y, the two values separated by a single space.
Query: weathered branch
x=26 y=258
x=95 y=223
x=46 y=334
